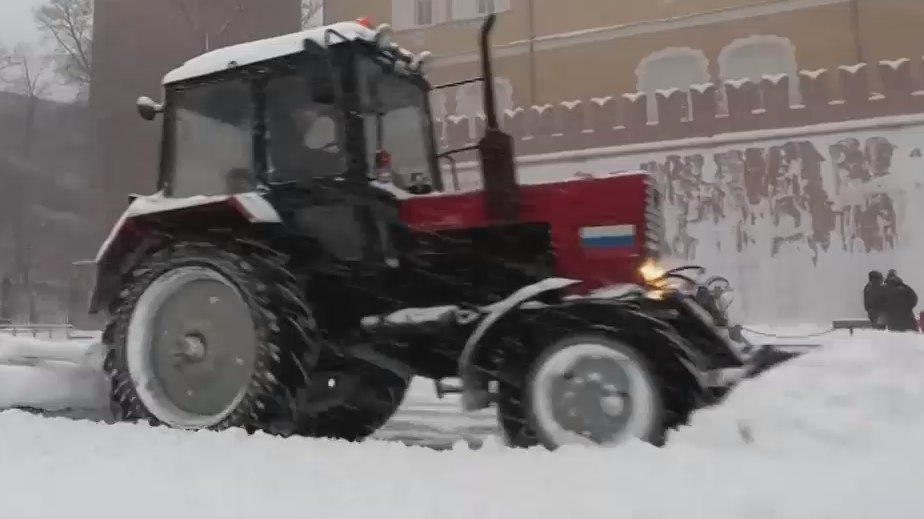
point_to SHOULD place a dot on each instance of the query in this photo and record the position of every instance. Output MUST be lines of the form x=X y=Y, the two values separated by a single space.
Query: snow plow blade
x=769 y=356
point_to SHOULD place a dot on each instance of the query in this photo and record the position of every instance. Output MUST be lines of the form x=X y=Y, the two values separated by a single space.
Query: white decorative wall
x=795 y=217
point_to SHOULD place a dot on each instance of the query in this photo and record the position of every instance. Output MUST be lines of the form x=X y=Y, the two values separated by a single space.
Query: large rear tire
x=194 y=340
x=583 y=389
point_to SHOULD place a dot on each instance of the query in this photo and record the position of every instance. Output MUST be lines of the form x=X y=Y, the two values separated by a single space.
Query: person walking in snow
x=900 y=300
x=874 y=300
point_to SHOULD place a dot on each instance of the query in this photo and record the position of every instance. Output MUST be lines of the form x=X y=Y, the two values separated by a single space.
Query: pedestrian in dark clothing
x=900 y=300
x=874 y=300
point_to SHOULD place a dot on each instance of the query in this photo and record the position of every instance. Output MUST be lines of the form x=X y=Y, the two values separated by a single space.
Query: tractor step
x=446 y=388
x=472 y=400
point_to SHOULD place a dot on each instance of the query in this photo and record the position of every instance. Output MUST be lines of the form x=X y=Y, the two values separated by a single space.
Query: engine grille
x=654 y=232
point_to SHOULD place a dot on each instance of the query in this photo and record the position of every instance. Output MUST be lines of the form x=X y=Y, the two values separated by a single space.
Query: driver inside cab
x=304 y=128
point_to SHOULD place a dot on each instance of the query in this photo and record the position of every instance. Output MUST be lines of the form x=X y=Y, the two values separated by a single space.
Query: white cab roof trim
x=261 y=50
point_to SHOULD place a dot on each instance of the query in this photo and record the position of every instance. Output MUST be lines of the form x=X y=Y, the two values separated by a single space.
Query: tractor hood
x=600 y=228
x=578 y=202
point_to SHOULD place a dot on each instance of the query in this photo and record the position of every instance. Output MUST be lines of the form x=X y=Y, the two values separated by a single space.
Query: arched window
x=757 y=56
x=673 y=67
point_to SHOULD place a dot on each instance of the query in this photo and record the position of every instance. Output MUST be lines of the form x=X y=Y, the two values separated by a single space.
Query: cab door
x=319 y=180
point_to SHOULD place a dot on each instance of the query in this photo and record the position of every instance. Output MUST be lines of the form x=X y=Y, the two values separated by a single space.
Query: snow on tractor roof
x=261 y=50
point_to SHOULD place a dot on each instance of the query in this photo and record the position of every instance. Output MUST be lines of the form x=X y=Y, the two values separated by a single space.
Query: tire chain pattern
x=270 y=291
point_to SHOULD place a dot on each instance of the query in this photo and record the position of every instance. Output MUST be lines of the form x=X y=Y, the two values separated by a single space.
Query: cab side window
x=212 y=140
x=304 y=127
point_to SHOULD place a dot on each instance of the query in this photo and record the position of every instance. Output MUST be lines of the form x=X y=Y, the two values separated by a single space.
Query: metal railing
x=43 y=330
x=851 y=324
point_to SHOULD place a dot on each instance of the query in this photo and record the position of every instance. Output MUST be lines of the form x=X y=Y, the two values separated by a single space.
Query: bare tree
x=69 y=23
x=312 y=12
x=27 y=74
x=193 y=17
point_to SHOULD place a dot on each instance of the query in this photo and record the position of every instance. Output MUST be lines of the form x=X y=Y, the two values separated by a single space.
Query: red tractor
x=303 y=261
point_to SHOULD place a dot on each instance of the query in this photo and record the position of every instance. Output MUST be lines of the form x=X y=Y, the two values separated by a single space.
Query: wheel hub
x=592 y=399
x=613 y=405
x=191 y=348
x=202 y=349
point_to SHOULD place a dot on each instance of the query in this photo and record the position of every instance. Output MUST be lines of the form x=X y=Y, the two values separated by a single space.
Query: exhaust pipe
x=495 y=149
x=487 y=72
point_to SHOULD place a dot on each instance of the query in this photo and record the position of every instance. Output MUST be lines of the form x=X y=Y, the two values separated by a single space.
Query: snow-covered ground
x=50 y=374
x=835 y=433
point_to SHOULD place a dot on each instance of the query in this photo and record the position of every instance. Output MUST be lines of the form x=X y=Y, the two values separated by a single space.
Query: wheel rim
x=191 y=348
x=593 y=394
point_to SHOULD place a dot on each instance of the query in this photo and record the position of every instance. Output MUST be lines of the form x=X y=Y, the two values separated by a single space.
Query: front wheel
x=584 y=389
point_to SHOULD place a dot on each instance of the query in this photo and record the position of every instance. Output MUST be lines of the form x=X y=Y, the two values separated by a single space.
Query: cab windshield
x=397 y=123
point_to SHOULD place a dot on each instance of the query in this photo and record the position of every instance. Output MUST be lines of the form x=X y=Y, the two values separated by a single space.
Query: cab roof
x=252 y=52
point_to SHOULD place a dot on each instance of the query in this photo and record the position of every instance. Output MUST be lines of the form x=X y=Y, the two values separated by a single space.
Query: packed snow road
x=835 y=433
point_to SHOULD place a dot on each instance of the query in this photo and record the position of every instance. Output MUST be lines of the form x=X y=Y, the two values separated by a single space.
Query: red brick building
x=135 y=42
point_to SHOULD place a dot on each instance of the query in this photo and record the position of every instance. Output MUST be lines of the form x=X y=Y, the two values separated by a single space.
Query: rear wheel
x=584 y=389
x=194 y=339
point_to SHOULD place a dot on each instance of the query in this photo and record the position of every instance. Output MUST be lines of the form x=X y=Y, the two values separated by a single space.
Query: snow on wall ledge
x=615 y=119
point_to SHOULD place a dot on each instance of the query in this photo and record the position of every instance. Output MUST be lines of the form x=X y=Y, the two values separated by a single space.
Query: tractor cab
x=339 y=105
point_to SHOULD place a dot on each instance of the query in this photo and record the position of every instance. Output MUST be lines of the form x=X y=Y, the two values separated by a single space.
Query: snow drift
x=832 y=434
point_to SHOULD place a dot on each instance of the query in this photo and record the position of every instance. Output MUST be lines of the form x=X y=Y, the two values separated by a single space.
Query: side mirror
x=147 y=108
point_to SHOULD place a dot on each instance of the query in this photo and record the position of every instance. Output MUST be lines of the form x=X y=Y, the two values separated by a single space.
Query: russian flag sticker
x=608 y=236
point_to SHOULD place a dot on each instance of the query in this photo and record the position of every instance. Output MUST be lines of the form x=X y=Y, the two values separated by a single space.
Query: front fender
x=591 y=313
x=474 y=387
x=136 y=231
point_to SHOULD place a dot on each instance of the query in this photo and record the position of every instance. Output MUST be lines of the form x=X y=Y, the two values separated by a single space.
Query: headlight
x=651 y=272
x=657 y=295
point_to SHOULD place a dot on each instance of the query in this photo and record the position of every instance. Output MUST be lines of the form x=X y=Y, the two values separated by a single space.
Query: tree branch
x=6 y=59
x=69 y=23
x=238 y=9
x=310 y=9
x=192 y=21
x=30 y=79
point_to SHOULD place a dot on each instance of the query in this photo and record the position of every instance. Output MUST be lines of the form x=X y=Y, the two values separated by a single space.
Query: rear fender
x=141 y=228
x=611 y=316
